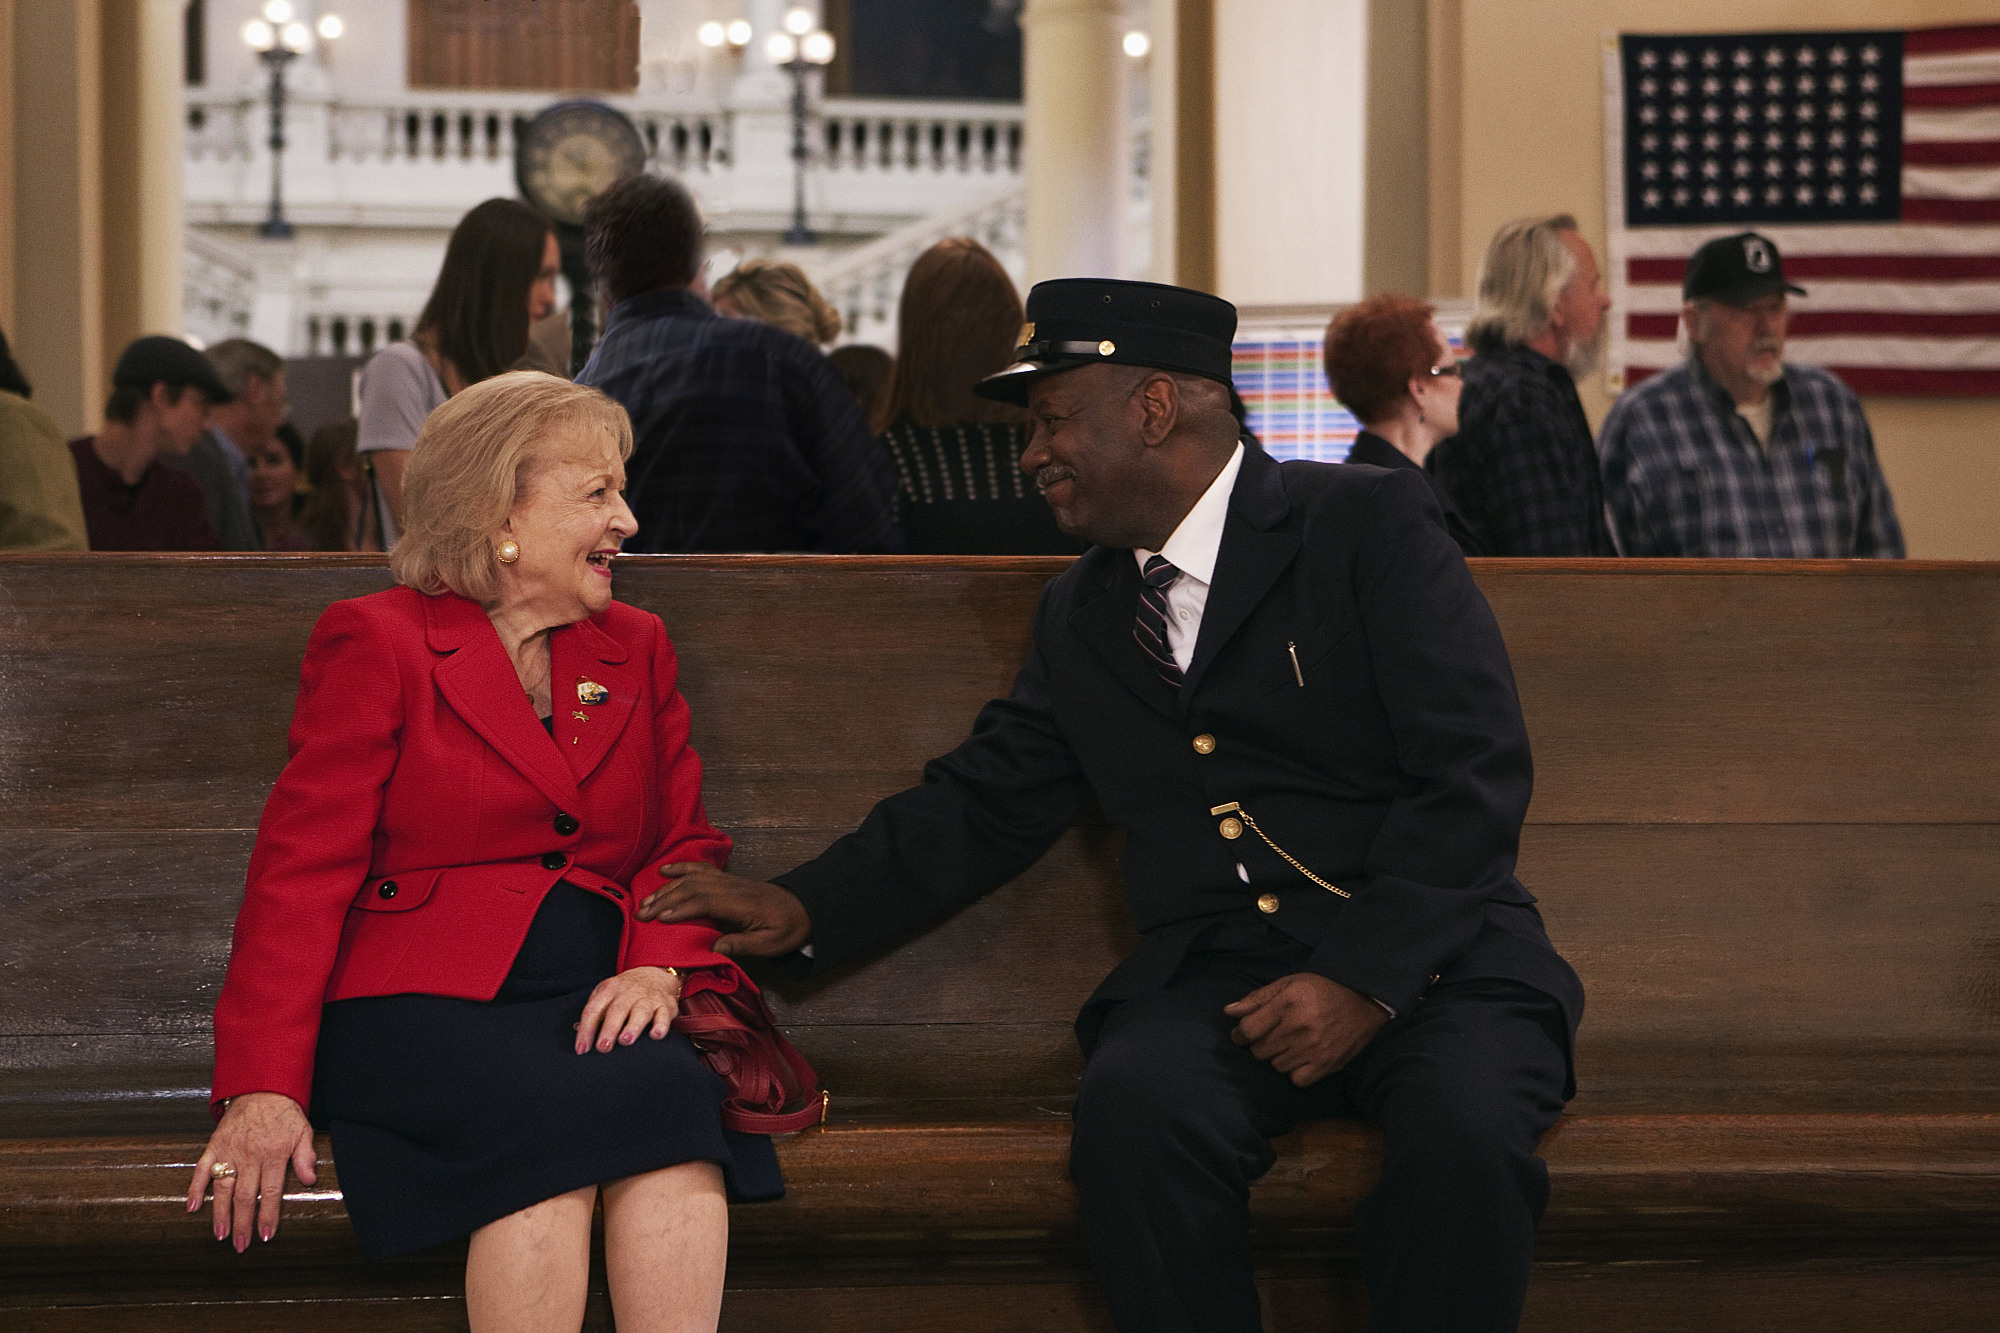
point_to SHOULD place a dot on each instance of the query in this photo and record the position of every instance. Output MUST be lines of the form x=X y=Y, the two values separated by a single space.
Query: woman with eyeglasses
x=1388 y=364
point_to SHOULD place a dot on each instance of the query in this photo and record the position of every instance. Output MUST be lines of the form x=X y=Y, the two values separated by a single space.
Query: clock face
x=570 y=153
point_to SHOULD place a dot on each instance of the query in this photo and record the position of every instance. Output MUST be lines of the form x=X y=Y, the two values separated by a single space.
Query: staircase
x=866 y=283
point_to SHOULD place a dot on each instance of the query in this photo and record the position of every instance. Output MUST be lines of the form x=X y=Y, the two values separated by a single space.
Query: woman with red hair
x=1389 y=365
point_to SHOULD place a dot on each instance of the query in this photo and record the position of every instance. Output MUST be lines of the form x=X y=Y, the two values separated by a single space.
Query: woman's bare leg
x=666 y=1244
x=530 y=1271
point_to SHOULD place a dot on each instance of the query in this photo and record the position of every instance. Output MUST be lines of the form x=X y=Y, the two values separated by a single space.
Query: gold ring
x=221 y=1171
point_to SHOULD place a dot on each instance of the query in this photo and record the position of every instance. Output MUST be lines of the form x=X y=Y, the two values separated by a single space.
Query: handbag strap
x=778 y=1122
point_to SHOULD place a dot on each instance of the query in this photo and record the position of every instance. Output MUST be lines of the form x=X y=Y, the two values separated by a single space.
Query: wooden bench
x=1766 y=830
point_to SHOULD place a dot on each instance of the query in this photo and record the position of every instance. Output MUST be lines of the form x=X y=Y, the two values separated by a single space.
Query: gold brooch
x=590 y=692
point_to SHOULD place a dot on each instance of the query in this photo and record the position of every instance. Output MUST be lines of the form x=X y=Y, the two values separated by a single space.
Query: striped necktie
x=1151 y=630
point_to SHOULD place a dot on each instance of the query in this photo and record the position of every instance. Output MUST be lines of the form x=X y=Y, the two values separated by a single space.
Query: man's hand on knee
x=1305 y=1025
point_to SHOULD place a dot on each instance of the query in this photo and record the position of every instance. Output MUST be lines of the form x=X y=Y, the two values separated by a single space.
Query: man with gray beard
x=1735 y=452
x=1522 y=469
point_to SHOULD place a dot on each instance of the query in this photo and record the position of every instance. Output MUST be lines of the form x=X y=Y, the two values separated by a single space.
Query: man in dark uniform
x=1282 y=681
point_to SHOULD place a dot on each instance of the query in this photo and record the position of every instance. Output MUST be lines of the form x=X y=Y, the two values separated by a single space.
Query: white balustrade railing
x=884 y=136
x=866 y=283
x=343 y=332
x=847 y=135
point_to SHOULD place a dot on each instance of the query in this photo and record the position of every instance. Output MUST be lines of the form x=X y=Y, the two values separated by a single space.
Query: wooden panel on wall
x=584 y=45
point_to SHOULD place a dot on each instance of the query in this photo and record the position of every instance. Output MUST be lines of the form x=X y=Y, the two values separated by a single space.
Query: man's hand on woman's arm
x=769 y=922
x=259 y=1134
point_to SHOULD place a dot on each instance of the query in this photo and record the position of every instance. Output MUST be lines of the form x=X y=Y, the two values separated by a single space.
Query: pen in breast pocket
x=1293 y=649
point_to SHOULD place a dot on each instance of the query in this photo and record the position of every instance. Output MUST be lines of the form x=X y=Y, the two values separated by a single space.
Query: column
x=58 y=333
x=1183 y=142
x=141 y=155
x=1290 y=148
x=1444 y=80
x=760 y=78
x=1079 y=175
x=1396 y=246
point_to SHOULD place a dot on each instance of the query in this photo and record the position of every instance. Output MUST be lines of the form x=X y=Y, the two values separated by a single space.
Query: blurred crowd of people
x=752 y=436
x=1736 y=452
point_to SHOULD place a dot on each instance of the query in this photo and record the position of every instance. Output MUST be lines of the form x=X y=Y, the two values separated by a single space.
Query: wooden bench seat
x=1766 y=830
x=868 y=1201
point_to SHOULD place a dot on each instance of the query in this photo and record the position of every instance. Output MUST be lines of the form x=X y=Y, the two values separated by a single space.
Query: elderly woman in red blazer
x=437 y=953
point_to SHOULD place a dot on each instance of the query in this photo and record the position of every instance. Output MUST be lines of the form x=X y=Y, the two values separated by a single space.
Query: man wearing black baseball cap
x=161 y=391
x=1736 y=452
x=1282 y=681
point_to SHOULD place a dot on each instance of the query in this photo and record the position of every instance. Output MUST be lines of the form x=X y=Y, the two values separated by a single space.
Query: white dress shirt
x=1192 y=550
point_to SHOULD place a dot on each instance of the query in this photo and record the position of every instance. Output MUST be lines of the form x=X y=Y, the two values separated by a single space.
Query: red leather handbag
x=772 y=1090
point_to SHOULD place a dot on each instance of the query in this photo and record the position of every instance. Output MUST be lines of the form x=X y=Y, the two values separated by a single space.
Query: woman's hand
x=622 y=1006
x=245 y=1162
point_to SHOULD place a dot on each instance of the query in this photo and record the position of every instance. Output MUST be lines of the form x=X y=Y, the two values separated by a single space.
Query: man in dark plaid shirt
x=1734 y=452
x=743 y=437
x=1522 y=469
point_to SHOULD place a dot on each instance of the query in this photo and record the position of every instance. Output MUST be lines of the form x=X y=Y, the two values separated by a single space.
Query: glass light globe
x=277 y=13
x=297 y=37
x=259 y=35
x=781 y=48
x=817 y=47
x=330 y=27
x=740 y=33
x=798 y=22
x=1138 y=45
x=712 y=34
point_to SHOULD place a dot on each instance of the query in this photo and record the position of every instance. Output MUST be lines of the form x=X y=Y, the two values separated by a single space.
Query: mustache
x=1049 y=474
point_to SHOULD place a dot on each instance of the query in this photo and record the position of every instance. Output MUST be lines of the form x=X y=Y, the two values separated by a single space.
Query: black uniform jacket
x=1398 y=770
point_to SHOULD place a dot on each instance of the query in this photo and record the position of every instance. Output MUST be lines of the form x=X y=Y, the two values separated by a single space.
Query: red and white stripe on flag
x=1910 y=306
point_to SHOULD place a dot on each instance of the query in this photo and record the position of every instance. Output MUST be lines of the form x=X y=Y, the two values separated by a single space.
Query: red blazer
x=425 y=813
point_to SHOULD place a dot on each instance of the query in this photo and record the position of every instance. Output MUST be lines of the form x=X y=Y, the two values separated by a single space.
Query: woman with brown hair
x=1387 y=364
x=498 y=277
x=959 y=485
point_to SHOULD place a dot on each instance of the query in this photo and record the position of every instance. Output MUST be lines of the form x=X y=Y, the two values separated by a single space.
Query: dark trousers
x=1173 y=1122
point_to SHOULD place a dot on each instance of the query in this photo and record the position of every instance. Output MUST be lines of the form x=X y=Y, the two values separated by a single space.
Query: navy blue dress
x=448 y=1114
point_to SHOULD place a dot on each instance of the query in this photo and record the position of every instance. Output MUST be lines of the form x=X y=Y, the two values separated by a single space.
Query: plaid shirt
x=1686 y=476
x=1522 y=470
x=743 y=437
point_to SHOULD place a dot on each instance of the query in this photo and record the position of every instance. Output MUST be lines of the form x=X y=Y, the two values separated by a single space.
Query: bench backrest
x=1766 y=826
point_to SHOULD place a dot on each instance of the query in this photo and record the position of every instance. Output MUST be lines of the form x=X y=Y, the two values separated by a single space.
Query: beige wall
x=1529 y=112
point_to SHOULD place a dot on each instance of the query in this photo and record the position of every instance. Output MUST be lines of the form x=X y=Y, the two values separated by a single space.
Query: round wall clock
x=568 y=154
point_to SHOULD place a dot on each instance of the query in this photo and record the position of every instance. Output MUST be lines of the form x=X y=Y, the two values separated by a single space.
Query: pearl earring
x=509 y=551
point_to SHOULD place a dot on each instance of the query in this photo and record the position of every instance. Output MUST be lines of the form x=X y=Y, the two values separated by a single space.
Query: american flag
x=1872 y=159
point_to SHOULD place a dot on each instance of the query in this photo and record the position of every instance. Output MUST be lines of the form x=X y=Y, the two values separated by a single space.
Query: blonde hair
x=1520 y=280
x=475 y=456
x=772 y=291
